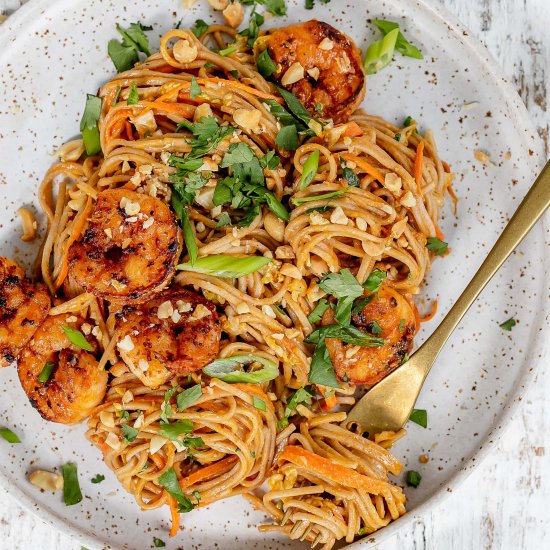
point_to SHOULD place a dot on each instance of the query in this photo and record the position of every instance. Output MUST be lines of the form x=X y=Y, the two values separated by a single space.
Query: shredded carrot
x=129 y=131
x=438 y=233
x=418 y=165
x=175 y=515
x=353 y=130
x=158 y=460
x=368 y=168
x=239 y=86
x=207 y=472
x=77 y=229
x=332 y=471
x=430 y=315
x=446 y=167
x=118 y=122
x=328 y=403
x=171 y=107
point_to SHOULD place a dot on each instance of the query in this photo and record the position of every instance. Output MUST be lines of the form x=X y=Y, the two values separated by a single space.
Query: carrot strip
x=353 y=130
x=207 y=472
x=430 y=315
x=77 y=229
x=446 y=167
x=438 y=233
x=239 y=86
x=334 y=472
x=418 y=166
x=368 y=168
x=171 y=107
x=158 y=460
x=174 y=514
x=328 y=403
x=129 y=131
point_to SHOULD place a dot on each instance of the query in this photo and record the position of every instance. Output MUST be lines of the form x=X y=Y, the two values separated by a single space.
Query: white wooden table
x=505 y=504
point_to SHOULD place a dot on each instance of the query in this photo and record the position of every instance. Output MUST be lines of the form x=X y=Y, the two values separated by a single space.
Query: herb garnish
x=71 y=487
x=199 y=28
x=420 y=417
x=9 y=436
x=158 y=543
x=129 y=434
x=266 y=65
x=133 y=96
x=76 y=338
x=231 y=369
x=188 y=396
x=46 y=372
x=413 y=478
x=88 y=125
x=194 y=89
x=301 y=395
x=318 y=310
x=401 y=44
x=380 y=53
x=172 y=430
x=437 y=246
x=98 y=478
x=169 y=481
x=508 y=325
x=259 y=403
x=309 y=169
x=226 y=266
x=125 y=54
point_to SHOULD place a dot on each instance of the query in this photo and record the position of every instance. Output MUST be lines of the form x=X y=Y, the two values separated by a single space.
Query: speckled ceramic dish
x=52 y=52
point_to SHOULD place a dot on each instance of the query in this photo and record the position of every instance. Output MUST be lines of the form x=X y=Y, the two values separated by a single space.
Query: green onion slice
x=76 y=338
x=310 y=169
x=380 y=53
x=9 y=436
x=71 y=487
x=226 y=266
x=46 y=372
x=88 y=125
x=231 y=369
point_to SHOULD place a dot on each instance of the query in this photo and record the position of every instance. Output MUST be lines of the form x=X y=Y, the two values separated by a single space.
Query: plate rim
x=521 y=119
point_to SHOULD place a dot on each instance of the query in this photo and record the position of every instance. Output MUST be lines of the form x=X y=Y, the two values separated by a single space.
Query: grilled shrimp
x=176 y=333
x=320 y=65
x=130 y=248
x=23 y=307
x=76 y=384
x=368 y=365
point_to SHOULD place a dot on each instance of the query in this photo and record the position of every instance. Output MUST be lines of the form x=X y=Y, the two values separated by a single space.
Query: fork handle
x=528 y=213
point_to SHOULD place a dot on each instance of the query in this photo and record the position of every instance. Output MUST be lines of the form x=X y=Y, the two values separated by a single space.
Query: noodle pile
x=233 y=443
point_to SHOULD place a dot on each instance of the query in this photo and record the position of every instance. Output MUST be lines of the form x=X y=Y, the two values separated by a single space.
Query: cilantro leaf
x=125 y=54
x=374 y=280
x=98 y=478
x=341 y=285
x=172 y=430
x=437 y=246
x=508 y=325
x=318 y=310
x=301 y=395
x=321 y=370
x=169 y=481
x=187 y=397
x=129 y=434
x=420 y=417
x=287 y=138
x=199 y=28
x=266 y=65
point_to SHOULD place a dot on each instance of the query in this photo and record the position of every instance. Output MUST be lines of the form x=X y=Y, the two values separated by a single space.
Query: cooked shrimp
x=176 y=333
x=130 y=248
x=76 y=384
x=23 y=307
x=320 y=65
x=397 y=319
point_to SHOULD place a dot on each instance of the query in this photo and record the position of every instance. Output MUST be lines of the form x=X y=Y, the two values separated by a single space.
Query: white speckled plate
x=52 y=52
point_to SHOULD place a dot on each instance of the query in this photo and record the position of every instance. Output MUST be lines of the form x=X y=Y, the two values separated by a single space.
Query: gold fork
x=388 y=405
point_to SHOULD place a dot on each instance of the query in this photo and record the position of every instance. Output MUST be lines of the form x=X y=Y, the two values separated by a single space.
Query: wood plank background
x=505 y=503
